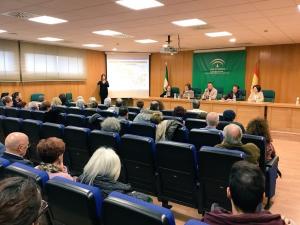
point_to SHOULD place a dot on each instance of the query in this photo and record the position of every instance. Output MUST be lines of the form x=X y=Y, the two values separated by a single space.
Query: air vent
x=203 y=27
x=20 y=15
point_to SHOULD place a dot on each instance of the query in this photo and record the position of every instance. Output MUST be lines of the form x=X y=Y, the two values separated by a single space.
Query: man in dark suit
x=16 y=145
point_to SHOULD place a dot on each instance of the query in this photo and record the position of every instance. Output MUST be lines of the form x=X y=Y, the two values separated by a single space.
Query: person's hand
x=288 y=221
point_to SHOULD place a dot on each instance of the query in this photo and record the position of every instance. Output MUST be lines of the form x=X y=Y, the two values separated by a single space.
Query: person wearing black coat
x=103 y=88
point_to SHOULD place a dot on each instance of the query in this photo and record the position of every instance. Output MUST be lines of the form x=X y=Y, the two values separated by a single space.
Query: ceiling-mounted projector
x=168 y=49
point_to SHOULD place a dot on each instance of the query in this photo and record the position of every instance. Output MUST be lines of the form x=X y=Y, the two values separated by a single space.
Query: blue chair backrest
x=2 y=110
x=61 y=108
x=203 y=137
x=76 y=120
x=214 y=169
x=177 y=169
x=74 y=203
x=38 y=115
x=11 y=112
x=260 y=142
x=52 y=130
x=20 y=169
x=195 y=222
x=90 y=111
x=195 y=123
x=105 y=113
x=179 y=119
x=222 y=124
x=25 y=114
x=2 y=133
x=11 y=124
x=123 y=209
x=143 y=129
x=125 y=127
x=181 y=135
x=32 y=128
x=138 y=157
x=136 y=110
x=193 y=115
x=102 y=107
x=167 y=112
x=75 y=110
x=77 y=152
x=99 y=138
x=131 y=115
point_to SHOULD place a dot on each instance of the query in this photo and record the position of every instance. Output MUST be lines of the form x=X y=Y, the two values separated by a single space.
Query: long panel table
x=282 y=117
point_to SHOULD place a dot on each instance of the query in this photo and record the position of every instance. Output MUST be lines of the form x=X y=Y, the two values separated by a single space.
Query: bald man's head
x=17 y=143
x=232 y=134
x=212 y=119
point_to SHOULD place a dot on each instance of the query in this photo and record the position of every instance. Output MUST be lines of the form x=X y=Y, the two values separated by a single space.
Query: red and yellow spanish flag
x=255 y=79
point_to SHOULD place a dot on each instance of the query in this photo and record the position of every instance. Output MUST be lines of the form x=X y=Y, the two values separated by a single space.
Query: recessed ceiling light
x=189 y=22
x=114 y=49
x=50 y=39
x=92 y=45
x=140 y=4
x=107 y=33
x=218 y=34
x=145 y=41
x=47 y=20
x=232 y=40
x=2 y=31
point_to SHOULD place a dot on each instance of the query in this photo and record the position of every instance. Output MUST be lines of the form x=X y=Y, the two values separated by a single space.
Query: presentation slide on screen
x=128 y=75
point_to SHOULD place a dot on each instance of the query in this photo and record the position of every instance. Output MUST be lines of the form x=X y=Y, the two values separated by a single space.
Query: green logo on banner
x=217 y=66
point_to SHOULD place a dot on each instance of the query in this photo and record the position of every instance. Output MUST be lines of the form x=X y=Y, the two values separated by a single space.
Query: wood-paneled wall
x=279 y=70
x=180 y=68
x=95 y=66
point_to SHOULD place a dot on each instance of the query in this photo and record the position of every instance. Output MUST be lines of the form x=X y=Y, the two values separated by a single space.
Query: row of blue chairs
x=79 y=149
x=71 y=202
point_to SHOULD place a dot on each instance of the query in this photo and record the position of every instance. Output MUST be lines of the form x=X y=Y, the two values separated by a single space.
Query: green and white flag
x=166 y=80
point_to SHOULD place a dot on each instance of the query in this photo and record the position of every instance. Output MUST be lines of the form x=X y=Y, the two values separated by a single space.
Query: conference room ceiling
x=252 y=22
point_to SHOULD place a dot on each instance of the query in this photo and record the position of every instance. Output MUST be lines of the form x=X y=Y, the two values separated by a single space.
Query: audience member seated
x=16 y=145
x=210 y=93
x=145 y=114
x=119 y=103
x=107 y=102
x=179 y=111
x=260 y=127
x=3 y=94
x=246 y=192
x=33 y=105
x=234 y=95
x=165 y=129
x=51 y=152
x=140 y=104
x=167 y=93
x=20 y=202
x=80 y=103
x=103 y=171
x=52 y=114
x=123 y=113
x=93 y=104
x=111 y=124
x=232 y=140
x=17 y=100
x=212 y=120
x=196 y=109
x=188 y=92
x=56 y=101
x=7 y=101
x=256 y=94
x=229 y=116
x=63 y=99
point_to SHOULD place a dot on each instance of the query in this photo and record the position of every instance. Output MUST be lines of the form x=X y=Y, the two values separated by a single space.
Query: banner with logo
x=223 y=69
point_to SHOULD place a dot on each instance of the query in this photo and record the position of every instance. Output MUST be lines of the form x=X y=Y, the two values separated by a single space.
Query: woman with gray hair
x=103 y=171
x=80 y=103
x=111 y=124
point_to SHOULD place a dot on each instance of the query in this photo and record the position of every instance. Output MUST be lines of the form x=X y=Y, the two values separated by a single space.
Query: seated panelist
x=167 y=93
x=235 y=94
x=256 y=94
x=210 y=92
x=188 y=92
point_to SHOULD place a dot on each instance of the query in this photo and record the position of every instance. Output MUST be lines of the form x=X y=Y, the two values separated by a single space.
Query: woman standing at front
x=103 y=88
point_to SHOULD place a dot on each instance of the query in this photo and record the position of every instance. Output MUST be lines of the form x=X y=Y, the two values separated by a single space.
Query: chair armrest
x=273 y=162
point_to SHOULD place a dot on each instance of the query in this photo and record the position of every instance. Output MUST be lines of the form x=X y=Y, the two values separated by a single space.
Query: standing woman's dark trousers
x=103 y=90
